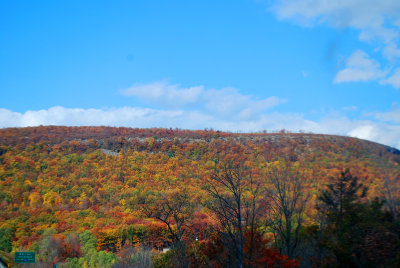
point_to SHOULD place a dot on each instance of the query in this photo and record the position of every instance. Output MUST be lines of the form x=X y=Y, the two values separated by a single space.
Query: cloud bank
x=383 y=131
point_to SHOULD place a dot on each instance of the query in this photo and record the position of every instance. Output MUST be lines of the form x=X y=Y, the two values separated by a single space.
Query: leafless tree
x=288 y=201
x=235 y=202
x=391 y=194
x=175 y=209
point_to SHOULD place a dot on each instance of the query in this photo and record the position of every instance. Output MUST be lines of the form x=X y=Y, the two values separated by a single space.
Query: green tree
x=92 y=257
x=5 y=239
x=88 y=241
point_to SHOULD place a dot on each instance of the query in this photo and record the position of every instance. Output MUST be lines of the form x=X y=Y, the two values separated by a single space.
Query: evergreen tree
x=359 y=233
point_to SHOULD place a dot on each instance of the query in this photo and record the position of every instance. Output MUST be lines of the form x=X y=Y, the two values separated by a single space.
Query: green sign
x=25 y=257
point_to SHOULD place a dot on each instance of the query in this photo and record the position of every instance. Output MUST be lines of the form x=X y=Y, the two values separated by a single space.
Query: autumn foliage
x=141 y=191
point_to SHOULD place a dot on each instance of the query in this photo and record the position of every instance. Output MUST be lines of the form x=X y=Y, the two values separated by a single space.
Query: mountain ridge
x=85 y=133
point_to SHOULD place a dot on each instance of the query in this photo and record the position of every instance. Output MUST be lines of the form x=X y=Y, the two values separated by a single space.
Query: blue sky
x=246 y=65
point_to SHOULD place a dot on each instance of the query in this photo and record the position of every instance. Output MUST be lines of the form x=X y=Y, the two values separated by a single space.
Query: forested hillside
x=101 y=196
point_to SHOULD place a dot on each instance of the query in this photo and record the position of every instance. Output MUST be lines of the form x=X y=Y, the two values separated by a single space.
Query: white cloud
x=161 y=93
x=393 y=80
x=126 y=116
x=359 y=67
x=393 y=116
x=385 y=133
x=378 y=132
x=377 y=21
x=391 y=52
x=364 y=132
x=222 y=103
x=371 y=17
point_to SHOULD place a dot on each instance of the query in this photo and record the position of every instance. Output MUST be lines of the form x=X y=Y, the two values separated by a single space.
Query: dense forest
x=123 y=197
